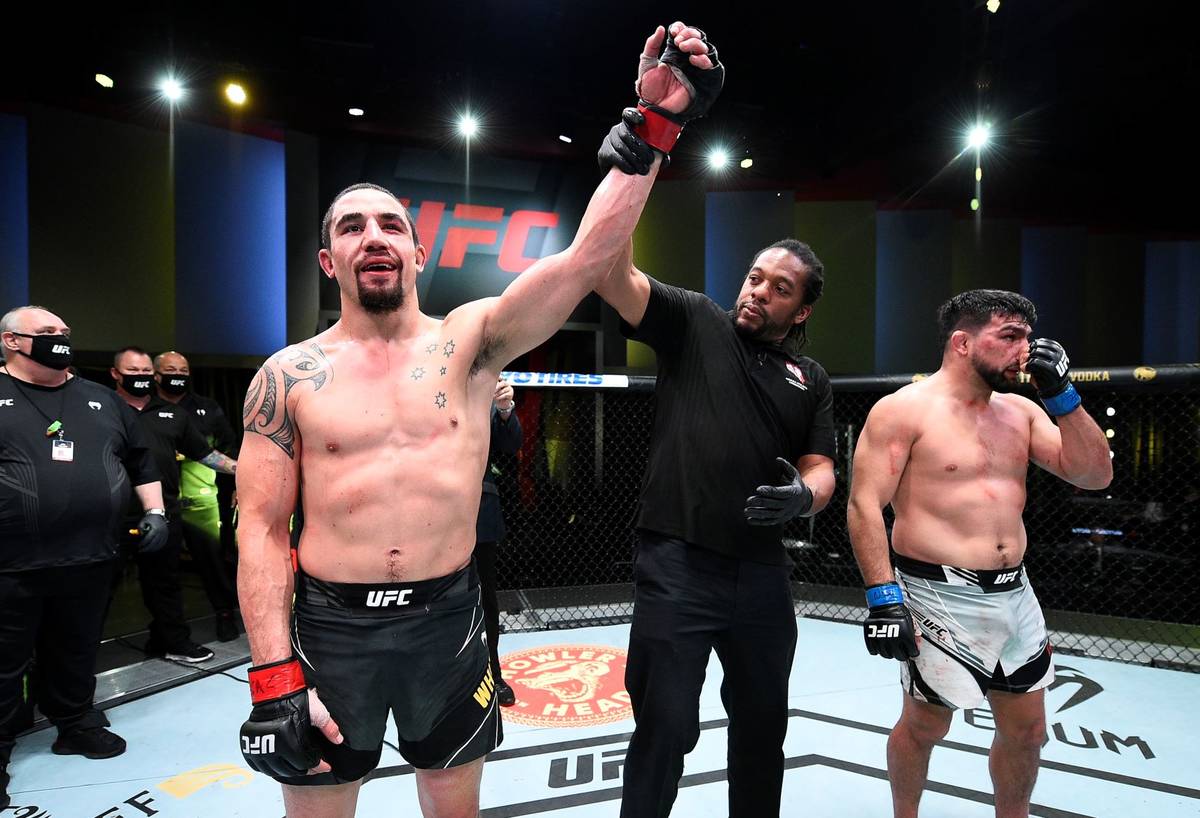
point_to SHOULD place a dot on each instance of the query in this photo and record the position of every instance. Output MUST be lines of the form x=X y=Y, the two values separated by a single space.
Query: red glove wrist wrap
x=276 y=680
x=658 y=132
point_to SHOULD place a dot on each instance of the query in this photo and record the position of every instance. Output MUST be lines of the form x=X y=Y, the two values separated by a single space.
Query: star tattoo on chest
x=432 y=348
x=440 y=400
x=448 y=349
x=443 y=370
x=418 y=373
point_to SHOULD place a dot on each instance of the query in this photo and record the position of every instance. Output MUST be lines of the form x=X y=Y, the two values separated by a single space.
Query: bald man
x=59 y=432
x=200 y=511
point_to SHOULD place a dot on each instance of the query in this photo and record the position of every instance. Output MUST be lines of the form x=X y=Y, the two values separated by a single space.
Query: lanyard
x=56 y=426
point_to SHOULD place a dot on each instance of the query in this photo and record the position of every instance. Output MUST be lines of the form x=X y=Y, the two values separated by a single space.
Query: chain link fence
x=1115 y=570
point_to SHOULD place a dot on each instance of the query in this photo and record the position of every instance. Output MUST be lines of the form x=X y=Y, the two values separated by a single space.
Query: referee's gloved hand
x=153 y=528
x=888 y=629
x=279 y=737
x=775 y=505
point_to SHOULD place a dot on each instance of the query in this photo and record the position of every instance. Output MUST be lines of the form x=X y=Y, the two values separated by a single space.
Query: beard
x=768 y=330
x=995 y=378
x=381 y=300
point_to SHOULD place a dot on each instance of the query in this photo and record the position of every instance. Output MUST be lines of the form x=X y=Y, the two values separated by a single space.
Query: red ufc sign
x=459 y=239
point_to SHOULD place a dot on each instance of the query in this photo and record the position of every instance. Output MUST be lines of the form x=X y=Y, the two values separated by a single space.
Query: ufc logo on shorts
x=381 y=599
x=258 y=746
x=6 y=402
x=1007 y=576
x=883 y=631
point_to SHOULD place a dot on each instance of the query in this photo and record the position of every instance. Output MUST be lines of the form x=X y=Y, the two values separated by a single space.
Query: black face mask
x=53 y=351
x=175 y=384
x=137 y=385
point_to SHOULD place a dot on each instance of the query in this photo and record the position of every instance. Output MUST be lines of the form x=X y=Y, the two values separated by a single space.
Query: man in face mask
x=71 y=457
x=168 y=429
x=198 y=490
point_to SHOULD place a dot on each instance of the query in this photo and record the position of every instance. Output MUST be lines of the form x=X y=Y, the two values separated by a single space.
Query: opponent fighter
x=380 y=424
x=950 y=454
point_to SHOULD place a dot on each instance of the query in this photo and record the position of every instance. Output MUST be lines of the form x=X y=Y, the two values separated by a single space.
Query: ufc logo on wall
x=261 y=745
x=883 y=631
x=381 y=599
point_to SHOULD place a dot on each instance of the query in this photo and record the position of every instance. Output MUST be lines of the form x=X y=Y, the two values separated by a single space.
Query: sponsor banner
x=558 y=379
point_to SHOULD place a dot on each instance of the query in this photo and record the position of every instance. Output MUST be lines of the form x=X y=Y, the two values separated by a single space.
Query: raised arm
x=879 y=461
x=537 y=304
x=626 y=289
x=1074 y=450
x=267 y=481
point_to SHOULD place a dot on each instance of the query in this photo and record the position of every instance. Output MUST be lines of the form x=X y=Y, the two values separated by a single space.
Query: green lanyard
x=56 y=426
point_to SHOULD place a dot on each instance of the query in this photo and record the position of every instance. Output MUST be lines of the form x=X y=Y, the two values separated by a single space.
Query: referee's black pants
x=688 y=602
x=162 y=594
x=57 y=613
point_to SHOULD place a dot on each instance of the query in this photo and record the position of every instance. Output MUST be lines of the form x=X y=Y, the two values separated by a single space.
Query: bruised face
x=371 y=252
x=772 y=296
x=998 y=351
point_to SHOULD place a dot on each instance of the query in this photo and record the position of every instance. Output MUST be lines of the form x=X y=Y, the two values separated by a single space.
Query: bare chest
x=966 y=443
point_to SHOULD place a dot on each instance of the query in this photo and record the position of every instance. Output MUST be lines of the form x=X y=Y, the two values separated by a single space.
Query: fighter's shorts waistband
x=991 y=581
x=396 y=597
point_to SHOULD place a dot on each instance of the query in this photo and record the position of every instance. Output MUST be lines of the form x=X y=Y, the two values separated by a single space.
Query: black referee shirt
x=726 y=407
x=67 y=511
x=170 y=429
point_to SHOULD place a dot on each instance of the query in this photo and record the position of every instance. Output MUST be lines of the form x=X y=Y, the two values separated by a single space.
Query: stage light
x=356 y=112
x=718 y=159
x=171 y=89
x=978 y=136
x=468 y=126
x=993 y=6
x=1110 y=411
x=978 y=174
x=747 y=163
x=566 y=139
x=104 y=80
x=1110 y=434
x=974 y=204
x=235 y=93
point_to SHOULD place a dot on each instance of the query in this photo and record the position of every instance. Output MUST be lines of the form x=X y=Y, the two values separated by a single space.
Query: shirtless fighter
x=950 y=453
x=380 y=426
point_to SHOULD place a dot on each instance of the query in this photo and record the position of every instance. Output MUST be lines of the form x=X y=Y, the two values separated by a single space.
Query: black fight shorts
x=417 y=649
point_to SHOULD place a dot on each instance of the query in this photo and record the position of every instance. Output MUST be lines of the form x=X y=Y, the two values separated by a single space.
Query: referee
x=71 y=457
x=742 y=442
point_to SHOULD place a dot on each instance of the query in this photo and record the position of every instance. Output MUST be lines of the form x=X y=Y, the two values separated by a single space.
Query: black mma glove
x=1048 y=366
x=775 y=505
x=154 y=531
x=662 y=127
x=277 y=739
x=888 y=629
x=624 y=149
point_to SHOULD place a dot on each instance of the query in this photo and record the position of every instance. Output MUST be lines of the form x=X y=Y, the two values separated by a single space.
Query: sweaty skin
x=389 y=451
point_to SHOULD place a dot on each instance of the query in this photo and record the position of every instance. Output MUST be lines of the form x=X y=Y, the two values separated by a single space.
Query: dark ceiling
x=1089 y=101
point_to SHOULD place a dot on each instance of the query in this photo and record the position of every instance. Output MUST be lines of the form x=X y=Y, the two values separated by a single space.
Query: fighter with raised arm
x=950 y=454
x=379 y=426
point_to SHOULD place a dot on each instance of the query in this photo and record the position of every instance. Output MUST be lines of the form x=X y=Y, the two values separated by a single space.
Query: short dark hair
x=814 y=285
x=325 y=222
x=973 y=309
x=135 y=350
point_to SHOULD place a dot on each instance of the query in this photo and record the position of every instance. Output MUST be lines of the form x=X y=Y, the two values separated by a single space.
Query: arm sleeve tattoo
x=265 y=411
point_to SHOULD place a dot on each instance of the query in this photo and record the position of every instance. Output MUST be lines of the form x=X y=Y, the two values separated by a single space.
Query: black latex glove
x=775 y=505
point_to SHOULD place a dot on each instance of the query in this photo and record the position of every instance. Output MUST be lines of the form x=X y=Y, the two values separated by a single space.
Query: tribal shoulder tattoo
x=266 y=410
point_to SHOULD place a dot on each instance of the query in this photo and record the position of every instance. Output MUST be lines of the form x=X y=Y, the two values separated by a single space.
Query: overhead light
x=1110 y=411
x=747 y=162
x=235 y=93
x=978 y=136
x=171 y=89
x=355 y=112
x=993 y=6
x=717 y=159
x=566 y=139
x=104 y=80
x=1110 y=434
x=978 y=174
x=468 y=126
x=974 y=204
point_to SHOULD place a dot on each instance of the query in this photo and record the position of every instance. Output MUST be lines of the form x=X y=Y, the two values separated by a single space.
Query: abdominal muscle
x=390 y=513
